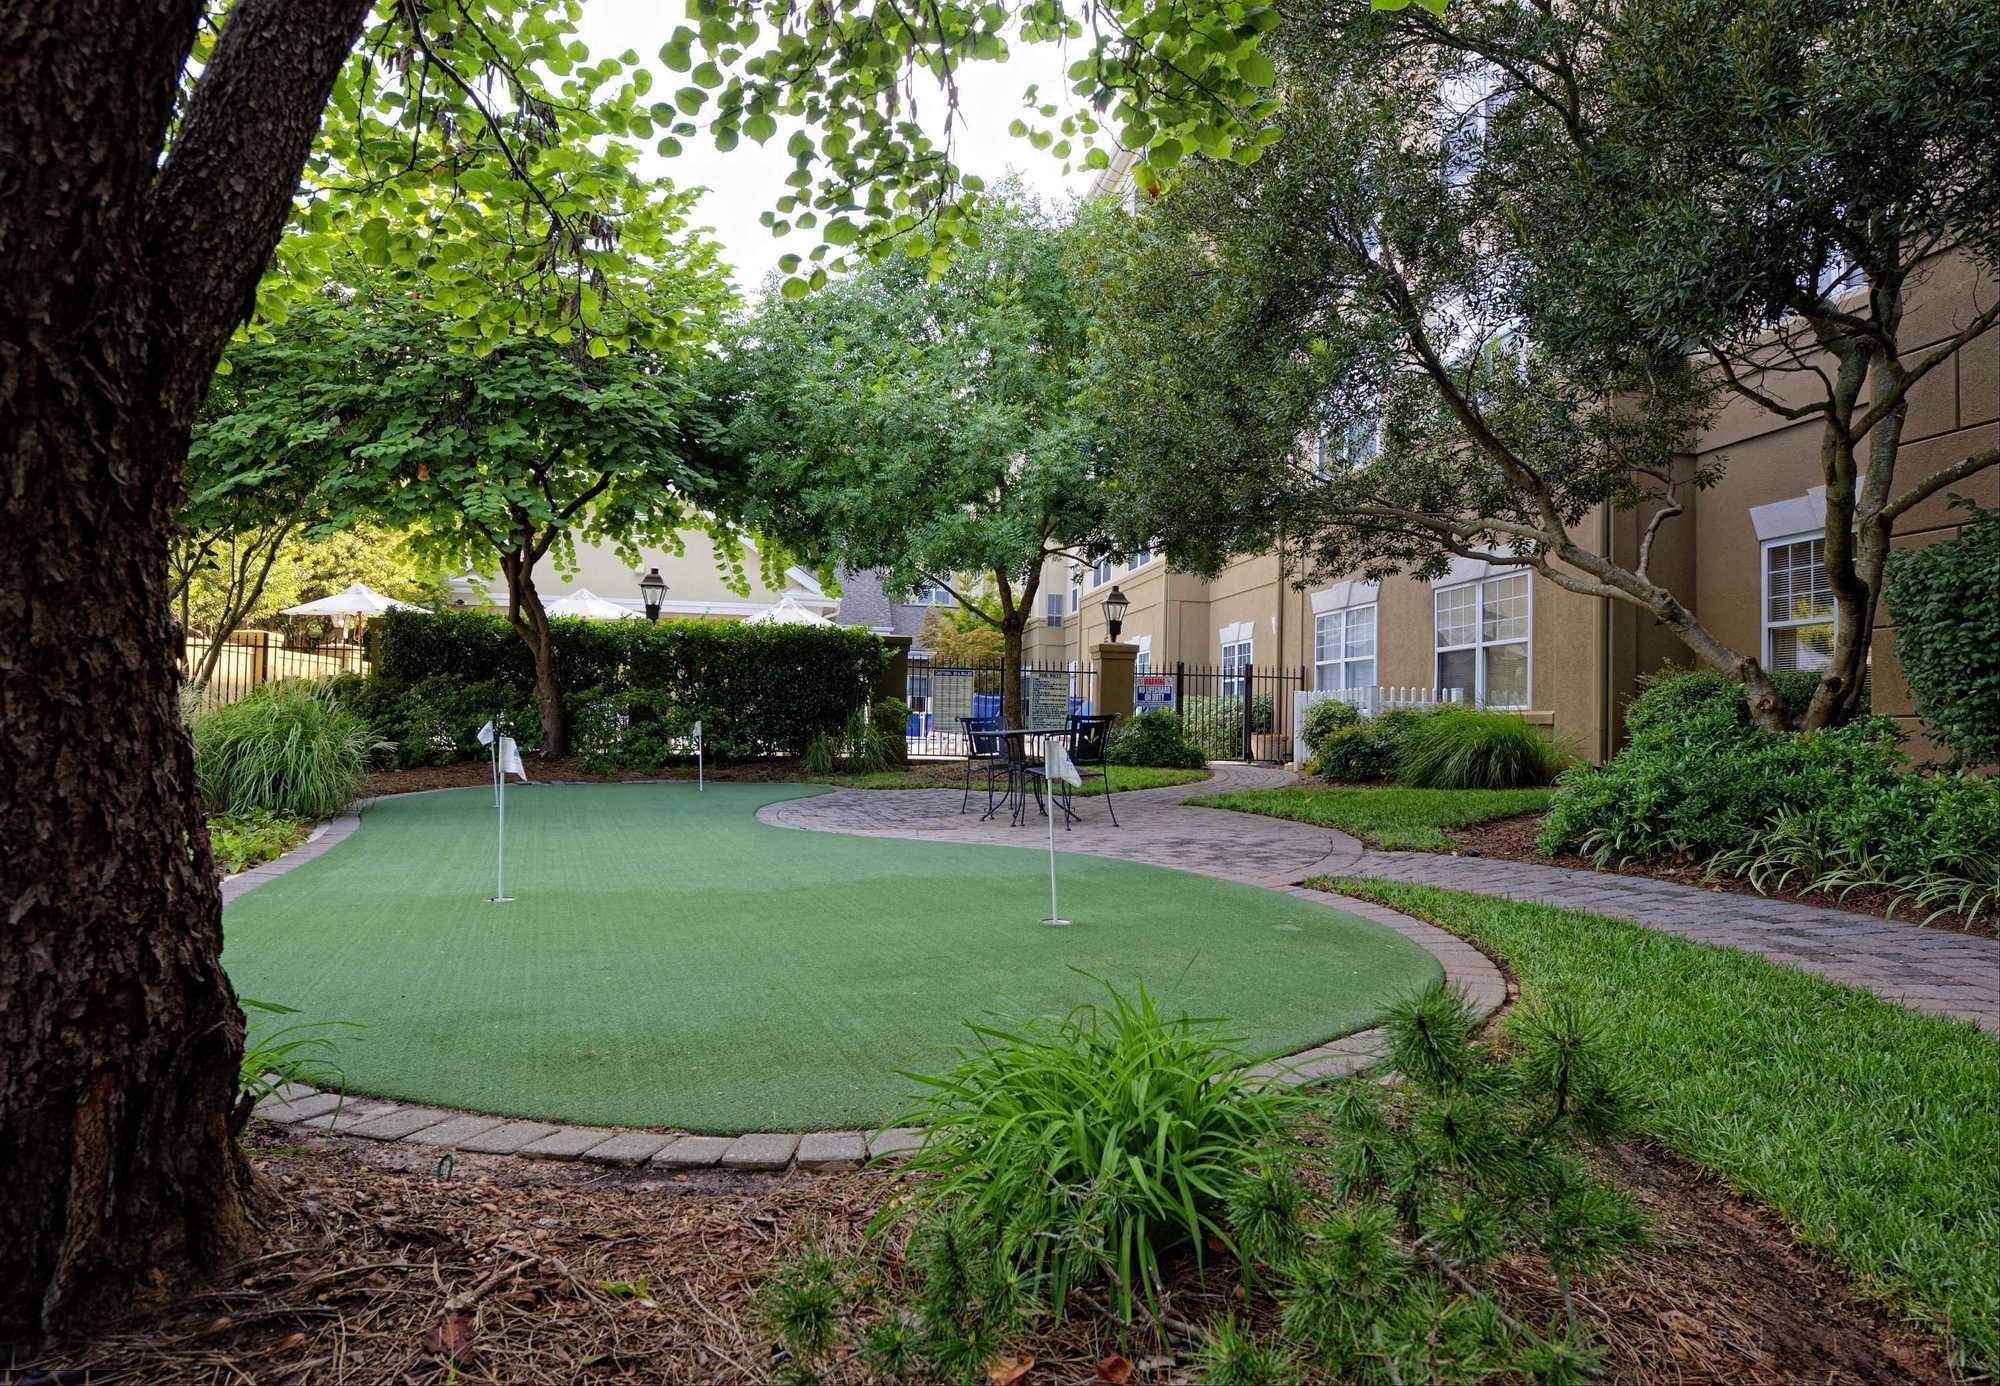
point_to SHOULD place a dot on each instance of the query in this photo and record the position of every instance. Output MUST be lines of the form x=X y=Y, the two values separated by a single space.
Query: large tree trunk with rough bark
x=119 y=1034
x=530 y=620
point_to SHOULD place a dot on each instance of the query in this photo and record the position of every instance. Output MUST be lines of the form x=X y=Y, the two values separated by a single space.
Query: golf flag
x=1059 y=765
x=510 y=758
x=699 y=787
x=486 y=734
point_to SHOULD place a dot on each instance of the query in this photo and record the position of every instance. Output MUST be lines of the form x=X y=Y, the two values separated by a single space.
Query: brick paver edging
x=1465 y=967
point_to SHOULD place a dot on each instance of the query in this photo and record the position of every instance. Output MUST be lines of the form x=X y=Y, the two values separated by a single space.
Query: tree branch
x=1967 y=466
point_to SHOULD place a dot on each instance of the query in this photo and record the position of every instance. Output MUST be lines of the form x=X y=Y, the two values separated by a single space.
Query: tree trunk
x=1011 y=627
x=530 y=619
x=119 y=1033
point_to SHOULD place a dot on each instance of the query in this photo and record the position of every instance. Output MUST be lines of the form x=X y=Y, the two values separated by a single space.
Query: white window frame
x=1102 y=572
x=1343 y=659
x=1240 y=637
x=1764 y=622
x=1141 y=559
x=1479 y=644
x=1075 y=598
x=1052 y=610
x=932 y=594
x=1142 y=663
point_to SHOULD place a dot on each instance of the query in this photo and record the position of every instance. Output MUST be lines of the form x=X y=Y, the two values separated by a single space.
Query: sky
x=748 y=180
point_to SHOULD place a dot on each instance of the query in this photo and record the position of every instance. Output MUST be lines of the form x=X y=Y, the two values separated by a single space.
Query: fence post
x=1180 y=689
x=260 y=660
x=1247 y=733
x=1117 y=663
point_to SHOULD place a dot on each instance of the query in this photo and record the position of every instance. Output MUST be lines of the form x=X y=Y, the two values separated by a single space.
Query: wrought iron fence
x=941 y=695
x=252 y=658
x=1238 y=714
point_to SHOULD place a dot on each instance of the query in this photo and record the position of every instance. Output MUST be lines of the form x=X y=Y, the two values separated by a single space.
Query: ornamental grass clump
x=1471 y=748
x=286 y=749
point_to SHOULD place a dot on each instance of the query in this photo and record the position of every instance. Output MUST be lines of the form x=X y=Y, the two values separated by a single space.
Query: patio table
x=1020 y=760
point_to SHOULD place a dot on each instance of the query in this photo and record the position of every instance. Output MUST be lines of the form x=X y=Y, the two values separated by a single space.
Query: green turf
x=669 y=961
x=1394 y=819
x=1871 y=1128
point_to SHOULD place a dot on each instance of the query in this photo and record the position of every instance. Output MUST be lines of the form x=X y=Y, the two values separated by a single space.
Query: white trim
x=1479 y=644
x=1765 y=625
x=1237 y=633
x=1342 y=595
x=1343 y=659
x=1796 y=517
x=1464 y=570
x=806 y=580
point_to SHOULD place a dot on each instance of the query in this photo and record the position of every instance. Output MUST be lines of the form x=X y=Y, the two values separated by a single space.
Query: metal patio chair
x=982 y=748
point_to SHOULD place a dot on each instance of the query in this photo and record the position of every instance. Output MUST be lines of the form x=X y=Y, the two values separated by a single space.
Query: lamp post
x=1115 y=603
x=652 y=591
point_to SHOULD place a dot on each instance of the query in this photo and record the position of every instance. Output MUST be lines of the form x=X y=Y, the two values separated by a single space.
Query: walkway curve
x=1157 y=829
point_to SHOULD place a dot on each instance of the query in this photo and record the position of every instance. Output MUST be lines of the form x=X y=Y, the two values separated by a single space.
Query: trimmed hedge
x=1155 y=739
x=757 y=690
x=1945 y=601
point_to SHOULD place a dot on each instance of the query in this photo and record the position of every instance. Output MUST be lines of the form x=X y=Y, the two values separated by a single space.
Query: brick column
x=1116 y=666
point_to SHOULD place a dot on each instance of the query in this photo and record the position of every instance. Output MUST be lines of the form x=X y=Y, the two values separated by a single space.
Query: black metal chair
x=982 y=748
x=1090 y=752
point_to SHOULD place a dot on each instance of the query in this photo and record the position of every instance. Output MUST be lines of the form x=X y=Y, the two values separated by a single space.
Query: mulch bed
x=1513 y=839
x=377 y=1270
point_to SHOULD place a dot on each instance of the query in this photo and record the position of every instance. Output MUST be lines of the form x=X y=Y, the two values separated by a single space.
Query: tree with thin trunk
x=932 y=427
x=1424 y=283
x=151 y=154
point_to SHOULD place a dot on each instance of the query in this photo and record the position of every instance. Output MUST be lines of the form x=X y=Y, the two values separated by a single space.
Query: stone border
x=440 y=1128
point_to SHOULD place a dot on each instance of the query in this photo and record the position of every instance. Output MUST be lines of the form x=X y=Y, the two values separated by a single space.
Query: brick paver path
x=1938 y=971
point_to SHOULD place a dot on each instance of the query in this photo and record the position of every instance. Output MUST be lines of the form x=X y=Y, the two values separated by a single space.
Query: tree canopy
x=933 y=425
x=1413 y=333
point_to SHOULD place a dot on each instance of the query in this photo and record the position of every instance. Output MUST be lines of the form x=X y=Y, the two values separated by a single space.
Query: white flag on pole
x=699 y=787
x=1058 y=764
x=510 y=758
x=696 y=732
x=486 y=735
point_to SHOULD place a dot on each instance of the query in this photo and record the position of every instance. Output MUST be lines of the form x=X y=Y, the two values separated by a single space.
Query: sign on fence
x=1153 y=693
x=951 y=697
x=1046 y=693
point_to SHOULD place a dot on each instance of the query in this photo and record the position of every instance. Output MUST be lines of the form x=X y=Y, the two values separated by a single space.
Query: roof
x=864 y=603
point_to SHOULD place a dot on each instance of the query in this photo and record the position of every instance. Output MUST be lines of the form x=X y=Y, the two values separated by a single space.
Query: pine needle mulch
x=377 y=1271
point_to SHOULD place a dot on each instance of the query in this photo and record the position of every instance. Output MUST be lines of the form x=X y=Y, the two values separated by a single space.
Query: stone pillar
x=894 y=680
x=1117 y=664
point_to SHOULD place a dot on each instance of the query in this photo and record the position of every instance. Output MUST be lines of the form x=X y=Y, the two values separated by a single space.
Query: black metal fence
x=252 y=658
x=941 y=694
x=1238 y=714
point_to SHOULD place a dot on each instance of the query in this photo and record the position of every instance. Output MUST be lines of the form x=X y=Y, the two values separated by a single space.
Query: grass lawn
x=1397 y=820
x=950 y=774
x=1870 y=1128
x=670 y=961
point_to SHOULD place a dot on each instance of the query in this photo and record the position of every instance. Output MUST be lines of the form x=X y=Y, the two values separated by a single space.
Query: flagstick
x=500 y=895
x=495 y=746
x=1055 y=919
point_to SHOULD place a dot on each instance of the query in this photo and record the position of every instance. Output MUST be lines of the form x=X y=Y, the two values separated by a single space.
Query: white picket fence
x=1369 y=701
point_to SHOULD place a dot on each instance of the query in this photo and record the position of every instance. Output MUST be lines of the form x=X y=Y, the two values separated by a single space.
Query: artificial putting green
x=670 y=961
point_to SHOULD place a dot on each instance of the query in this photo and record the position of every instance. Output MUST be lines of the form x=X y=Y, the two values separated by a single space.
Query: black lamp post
x=653 y=591
x=1115 y=603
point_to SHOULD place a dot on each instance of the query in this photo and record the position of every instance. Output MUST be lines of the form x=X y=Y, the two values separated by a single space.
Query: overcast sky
x=750 y=178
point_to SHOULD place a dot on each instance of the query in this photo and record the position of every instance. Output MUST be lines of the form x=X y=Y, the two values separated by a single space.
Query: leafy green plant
x=1230 y=1354
x=636 y=731
x=286 y=1053
x=1322 y=719
x=240 y=840
x=1471 y=748
x=1085 y=1149
x=891 y=719
x=1946 y=605
x=287 y=748
x=1214 y=722
x=822 y=757
x=1156 y=739
x=1355 y=754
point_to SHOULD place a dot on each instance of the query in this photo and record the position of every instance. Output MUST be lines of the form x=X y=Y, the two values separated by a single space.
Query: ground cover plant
x=1394 y=819
x=669 y=960
x=1066 y=1163
x=240 y=840
x=1868 y=1127
x=286 y=749
x=1834 y=810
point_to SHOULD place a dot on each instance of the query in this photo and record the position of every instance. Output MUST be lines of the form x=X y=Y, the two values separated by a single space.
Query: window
x=1482 y=640
x=1344 y=648
x=1798 y=605
x=1141 y=559
x=1052 y=609
x=1143 y=663
x=1236 y=657
x=930 y=594
x=1101 y=573
x=1075 y=598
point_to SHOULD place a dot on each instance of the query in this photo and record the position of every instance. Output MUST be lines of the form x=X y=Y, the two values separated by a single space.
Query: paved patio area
x=1937 y=971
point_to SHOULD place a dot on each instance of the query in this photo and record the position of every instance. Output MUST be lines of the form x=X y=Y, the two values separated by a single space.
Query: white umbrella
x=586 y=603
x=787 y=612
x=358 y=600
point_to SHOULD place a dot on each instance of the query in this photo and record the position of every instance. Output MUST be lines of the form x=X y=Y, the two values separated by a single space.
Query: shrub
x=1215 y=723
x=1083 y=1150
x=1356 y=754
x=636 y=732
x=1470 y=748
x=1322 y=719
x=891 y=717
x=287 y=748
x=1157 y=739
x=1945 y=601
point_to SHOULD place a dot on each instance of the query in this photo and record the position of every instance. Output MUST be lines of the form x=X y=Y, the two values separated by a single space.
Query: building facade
x=1746 y=558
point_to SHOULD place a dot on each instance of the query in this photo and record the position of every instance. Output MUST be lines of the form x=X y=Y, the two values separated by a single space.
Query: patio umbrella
x=787 y=612
x=586 y=603
x=357 y=600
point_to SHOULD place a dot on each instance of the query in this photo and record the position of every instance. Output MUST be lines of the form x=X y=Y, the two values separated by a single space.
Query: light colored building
x=698 y=582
